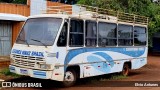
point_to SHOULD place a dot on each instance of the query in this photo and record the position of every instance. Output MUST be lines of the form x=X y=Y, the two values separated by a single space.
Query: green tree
x=141 y=7
x=15 y=1
x=7 y=1
x=19 y=1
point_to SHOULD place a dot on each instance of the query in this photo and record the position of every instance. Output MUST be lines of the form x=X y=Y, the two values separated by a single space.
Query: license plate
x=23 y=71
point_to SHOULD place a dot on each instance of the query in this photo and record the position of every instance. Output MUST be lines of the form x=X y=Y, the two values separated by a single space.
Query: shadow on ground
x=96 y=81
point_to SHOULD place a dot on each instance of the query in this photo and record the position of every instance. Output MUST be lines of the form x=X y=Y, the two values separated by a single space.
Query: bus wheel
x=69 y=78
x=125 y=70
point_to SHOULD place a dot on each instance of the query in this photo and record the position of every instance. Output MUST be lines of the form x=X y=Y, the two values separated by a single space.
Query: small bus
x=65 y=47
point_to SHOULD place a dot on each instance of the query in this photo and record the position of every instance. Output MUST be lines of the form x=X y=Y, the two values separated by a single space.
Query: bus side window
x=91 y=33
x=76 y=33
x=140 y=36
x=107 y=34
x=62 y=40
x=125 y=35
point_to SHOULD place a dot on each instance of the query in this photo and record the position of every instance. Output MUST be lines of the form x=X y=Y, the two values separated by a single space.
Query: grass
x=108 y=77
x=6 y=72
x=114 y=77
x=101 y=80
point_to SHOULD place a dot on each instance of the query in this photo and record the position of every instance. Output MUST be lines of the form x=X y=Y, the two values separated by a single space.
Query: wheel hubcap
x=69 y=76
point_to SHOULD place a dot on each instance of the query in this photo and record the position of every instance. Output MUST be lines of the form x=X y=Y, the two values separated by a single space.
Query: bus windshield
x=39 y=31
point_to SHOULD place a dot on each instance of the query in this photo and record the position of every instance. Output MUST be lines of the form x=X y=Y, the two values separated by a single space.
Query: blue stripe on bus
x=106 y=57
x=133 y=53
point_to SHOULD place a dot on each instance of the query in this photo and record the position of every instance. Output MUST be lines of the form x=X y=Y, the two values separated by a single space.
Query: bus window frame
x=115 y=32
x=146 y=33
x=96 y=45
x=132 y=37
x=68 y=43
x=65 y=21
x=97 y=38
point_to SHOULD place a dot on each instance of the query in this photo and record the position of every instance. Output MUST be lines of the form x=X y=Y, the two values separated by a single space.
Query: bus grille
x=27 y=61
x=24 y=63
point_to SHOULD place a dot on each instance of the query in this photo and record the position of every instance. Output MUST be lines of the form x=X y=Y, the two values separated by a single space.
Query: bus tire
x=125 y=70
x=69 y=78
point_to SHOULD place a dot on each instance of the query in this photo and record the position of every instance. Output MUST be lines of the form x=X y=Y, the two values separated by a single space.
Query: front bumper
x=31 y=72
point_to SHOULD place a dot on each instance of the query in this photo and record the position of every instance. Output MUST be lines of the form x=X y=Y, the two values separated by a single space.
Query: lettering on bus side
x=135 y=49
x=37 y=54
x=27 y=53
x=16 y=51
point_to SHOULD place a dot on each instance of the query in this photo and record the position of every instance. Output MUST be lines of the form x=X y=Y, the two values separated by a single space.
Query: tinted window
x=107 y=34
x=140 y=36
x=125 y=35
x=76 y=32
x=91 y=33
x=62 y=40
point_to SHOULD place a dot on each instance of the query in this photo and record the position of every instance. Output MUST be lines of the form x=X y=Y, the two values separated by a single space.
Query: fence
x=15 y=9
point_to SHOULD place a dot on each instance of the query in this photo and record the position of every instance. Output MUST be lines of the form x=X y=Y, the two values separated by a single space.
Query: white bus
x=66 y=47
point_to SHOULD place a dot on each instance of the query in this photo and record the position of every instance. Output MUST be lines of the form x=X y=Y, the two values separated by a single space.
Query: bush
x=14 y=1
x=6 y=72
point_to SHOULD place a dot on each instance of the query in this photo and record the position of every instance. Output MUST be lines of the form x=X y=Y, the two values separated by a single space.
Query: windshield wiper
x=24 y=41
x=40 y=42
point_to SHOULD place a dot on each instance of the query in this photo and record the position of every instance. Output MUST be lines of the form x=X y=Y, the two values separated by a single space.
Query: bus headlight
x=45 y=66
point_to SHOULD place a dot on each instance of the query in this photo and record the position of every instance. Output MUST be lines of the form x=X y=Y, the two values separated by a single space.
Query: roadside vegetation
x=114 y=77
x=101 y=79
x=107 y=77
x=6 y=72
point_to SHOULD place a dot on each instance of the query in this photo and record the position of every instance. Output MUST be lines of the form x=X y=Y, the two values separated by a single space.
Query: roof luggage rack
x=99 y=13
x=121 y=16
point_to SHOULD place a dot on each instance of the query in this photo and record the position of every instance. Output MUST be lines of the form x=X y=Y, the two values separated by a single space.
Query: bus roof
x=87 y=16
x=49 y=15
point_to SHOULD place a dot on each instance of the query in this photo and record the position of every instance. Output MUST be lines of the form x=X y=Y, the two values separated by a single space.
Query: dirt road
x=147 y=74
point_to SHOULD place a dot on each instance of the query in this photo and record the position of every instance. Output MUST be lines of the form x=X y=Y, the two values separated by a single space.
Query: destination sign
x=27 y=53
